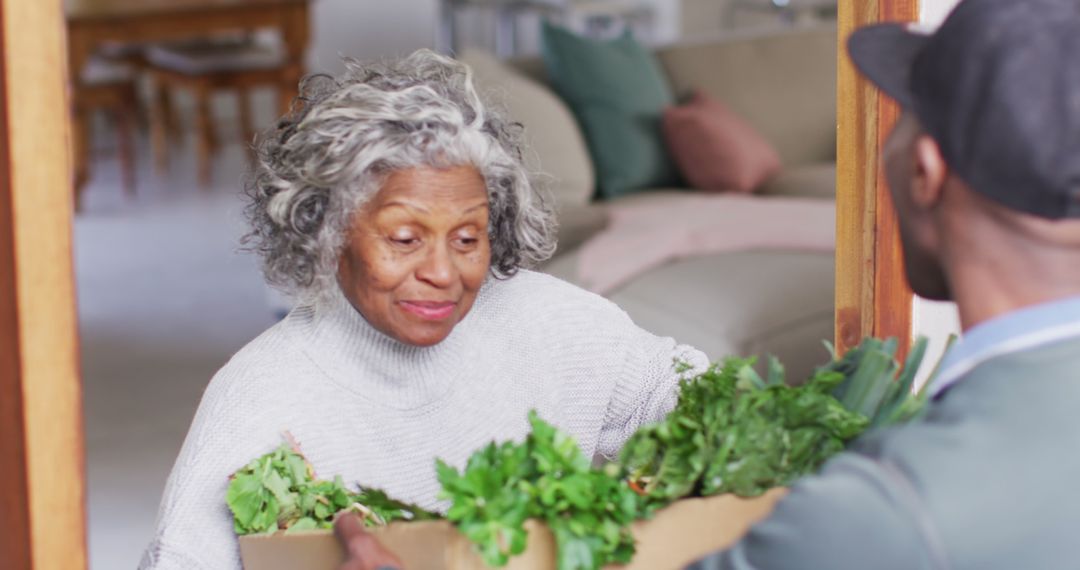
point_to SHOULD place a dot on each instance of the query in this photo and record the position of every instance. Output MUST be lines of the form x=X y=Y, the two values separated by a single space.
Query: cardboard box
x=676 y=536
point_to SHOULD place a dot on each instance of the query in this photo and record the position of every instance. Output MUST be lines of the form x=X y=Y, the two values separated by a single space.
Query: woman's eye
x=404 y=241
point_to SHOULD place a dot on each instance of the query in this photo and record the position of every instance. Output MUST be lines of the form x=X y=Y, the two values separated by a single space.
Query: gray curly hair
x=345 y=135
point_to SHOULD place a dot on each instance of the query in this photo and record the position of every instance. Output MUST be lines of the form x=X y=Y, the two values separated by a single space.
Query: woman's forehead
x=427 y=188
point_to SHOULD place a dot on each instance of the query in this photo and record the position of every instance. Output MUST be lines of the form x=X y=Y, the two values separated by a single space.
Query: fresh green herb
x=733 y=431
x=279 y=491
x=546 y=477
x=874 y=384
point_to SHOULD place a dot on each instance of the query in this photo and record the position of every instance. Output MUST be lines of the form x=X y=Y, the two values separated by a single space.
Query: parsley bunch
x=547 y=478
x=874 y=383
x=733 y=431
x=279 y=491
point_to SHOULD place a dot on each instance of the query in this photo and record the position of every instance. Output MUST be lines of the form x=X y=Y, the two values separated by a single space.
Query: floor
x=165 y=297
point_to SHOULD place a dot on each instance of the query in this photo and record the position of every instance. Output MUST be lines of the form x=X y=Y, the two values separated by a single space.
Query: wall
x=368 y=29
x=934 y=11
x=934 y=320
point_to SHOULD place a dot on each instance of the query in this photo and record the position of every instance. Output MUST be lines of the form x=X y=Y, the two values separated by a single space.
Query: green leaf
x=776 y=373
x=306 y=523
x=246 y=498
x=278 y=490
x=545 y=477
x=730 y=432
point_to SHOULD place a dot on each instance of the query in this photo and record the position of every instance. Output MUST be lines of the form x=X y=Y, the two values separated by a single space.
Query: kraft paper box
x=676 y=536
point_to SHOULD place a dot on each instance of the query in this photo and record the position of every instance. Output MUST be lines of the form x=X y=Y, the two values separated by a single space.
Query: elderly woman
x=394 y=205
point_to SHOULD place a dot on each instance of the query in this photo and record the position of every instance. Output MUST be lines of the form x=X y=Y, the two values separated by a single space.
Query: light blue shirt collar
x=1012 y=332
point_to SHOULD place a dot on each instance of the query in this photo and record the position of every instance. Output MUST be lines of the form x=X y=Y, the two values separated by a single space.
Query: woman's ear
x=931 y=172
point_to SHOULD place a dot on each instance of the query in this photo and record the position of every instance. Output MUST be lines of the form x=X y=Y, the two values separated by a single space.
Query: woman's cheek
x=479 y=264
x=385 y=268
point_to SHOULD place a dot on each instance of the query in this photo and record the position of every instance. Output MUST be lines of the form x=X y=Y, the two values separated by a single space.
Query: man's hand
x=362 y=551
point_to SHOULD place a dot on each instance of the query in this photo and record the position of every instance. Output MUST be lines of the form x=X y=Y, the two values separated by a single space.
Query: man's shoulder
x=988 y=456
x=1017 y=388
x=1055 y=358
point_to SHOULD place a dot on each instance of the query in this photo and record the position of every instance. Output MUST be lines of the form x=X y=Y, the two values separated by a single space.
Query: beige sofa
x=754 y=302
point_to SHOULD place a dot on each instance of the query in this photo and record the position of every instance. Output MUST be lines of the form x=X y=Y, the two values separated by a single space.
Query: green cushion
x=618 y=93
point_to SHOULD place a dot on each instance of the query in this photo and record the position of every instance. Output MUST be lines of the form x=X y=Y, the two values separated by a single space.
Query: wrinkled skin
x=418 y=253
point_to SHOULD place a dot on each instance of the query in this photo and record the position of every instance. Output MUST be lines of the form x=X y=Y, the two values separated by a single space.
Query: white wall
x=367 y=29
x=936 y=321
x=668 y=20
x=934 y=11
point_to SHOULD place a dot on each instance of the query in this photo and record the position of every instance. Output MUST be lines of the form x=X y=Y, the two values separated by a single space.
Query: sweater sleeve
x=647 y=387
x=194 y=527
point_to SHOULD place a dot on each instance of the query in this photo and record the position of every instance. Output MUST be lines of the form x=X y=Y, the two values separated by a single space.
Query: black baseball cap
x=998 y=87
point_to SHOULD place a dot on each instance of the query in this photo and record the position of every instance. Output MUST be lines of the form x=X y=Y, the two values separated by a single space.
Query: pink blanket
x=645 y=233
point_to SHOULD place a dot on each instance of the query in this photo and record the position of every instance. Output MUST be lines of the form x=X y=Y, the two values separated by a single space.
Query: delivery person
x=984 y=169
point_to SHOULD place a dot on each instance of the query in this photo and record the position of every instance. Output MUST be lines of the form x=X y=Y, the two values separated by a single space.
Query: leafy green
x=279 y=491
x=874 y=383
x=547 y=478
x=733 y=431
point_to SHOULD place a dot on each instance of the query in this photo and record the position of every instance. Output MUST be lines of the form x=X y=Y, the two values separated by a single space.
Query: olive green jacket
x=989 y=479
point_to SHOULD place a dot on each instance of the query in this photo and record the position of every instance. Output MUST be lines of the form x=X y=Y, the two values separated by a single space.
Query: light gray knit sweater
x=379 y=412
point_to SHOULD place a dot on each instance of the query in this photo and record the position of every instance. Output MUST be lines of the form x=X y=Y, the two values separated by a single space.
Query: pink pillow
x=715 y=149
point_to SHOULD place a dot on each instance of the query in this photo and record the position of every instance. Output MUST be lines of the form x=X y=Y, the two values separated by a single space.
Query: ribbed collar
x=363 y=360
x=1022 y=329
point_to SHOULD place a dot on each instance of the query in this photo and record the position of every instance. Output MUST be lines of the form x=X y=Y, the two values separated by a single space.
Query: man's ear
x=931 y=172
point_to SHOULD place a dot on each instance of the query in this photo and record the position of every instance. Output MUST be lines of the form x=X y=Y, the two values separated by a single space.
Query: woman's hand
x=362 y=551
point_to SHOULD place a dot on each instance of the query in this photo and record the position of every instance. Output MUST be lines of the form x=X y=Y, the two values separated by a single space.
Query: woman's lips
x=430 y=310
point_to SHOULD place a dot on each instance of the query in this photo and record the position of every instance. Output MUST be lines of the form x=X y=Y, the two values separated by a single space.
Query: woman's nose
x=438 y=267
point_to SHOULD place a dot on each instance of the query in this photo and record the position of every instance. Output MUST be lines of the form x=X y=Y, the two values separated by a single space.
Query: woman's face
x=418 y=252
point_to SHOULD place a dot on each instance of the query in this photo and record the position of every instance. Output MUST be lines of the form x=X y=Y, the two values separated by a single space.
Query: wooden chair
x=109 y=87
x=203 y=68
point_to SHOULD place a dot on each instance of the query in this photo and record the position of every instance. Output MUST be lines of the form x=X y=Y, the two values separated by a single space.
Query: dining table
x=94 y=23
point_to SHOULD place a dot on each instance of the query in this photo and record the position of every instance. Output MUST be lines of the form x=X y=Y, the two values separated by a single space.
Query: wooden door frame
x=42 y=484
x=872 y=294
x=42 y=481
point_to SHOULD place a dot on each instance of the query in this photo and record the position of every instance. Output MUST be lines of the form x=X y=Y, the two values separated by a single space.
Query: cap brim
x=884 y=53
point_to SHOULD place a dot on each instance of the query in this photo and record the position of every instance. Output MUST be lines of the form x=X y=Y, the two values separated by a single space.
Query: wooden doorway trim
x=872 y=294
x=42 y=495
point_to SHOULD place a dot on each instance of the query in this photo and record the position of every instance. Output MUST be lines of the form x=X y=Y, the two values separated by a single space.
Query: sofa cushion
x=715 y=149
x=746 y=303
x=555 y=146
x=618 y=93
x=808 y=181
x=579 y=223
x=782 y=83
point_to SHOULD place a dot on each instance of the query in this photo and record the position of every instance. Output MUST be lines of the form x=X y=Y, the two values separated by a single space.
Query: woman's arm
x=194 y=526
x=648 y=386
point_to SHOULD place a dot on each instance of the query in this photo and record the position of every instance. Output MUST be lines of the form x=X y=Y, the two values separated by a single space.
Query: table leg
x=78 y=53
x=204 y=143
x=80 y=153
x=159 y=126
x=295 y=33
x=288 y=91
